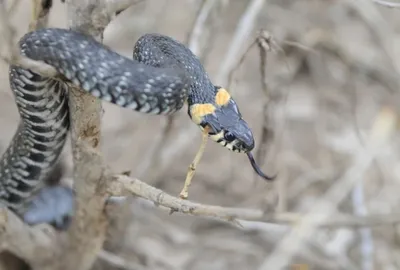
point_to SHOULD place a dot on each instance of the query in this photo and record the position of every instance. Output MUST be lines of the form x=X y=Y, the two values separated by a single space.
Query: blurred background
x=332 y=90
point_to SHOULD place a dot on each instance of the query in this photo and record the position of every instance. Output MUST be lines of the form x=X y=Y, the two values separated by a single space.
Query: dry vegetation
x=332 y=90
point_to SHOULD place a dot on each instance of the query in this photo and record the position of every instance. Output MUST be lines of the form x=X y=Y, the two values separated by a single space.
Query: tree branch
x=122 y=185
x=88 y=228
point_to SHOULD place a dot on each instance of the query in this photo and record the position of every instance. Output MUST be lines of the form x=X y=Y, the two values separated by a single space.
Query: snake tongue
x=257 y=168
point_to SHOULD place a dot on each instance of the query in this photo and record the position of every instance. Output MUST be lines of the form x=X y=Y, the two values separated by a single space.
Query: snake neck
x=163 y=51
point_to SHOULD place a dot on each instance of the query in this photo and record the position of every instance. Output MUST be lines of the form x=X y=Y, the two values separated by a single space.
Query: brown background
x=326 y=91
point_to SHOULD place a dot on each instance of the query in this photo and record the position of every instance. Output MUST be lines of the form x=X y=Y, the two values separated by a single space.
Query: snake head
x=225 y=125
x=224 y=122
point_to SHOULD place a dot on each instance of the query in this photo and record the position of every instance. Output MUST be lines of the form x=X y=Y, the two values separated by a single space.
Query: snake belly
x=162 y=75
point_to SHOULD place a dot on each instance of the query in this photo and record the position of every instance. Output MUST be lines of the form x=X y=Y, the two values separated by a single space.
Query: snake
x=162 y=76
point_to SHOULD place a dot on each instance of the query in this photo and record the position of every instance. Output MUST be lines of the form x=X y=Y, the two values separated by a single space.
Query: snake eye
x=229 y=137
x=211 y=131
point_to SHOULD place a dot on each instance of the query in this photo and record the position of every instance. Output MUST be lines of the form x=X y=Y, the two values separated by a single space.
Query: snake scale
x=161 y=77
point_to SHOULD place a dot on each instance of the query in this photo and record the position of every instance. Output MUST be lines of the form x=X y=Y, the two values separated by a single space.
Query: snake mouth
x=257 y=169
x=234 y=146
x=239 y=147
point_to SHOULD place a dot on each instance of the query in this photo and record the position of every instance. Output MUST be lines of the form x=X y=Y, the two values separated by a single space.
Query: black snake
x=161 y=77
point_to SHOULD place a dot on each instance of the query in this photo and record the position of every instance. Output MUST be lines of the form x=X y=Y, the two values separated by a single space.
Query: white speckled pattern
x=162 y=75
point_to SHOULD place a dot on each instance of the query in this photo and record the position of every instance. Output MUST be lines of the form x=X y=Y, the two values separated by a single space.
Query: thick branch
x=87 y=232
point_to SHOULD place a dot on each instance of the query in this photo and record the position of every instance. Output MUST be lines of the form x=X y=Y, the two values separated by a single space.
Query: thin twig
x=264 y=45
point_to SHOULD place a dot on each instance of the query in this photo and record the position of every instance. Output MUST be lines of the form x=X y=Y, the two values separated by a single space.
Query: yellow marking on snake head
x=222 y=98
x=198 y=111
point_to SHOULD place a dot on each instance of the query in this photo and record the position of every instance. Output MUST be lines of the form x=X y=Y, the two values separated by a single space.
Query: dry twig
x=123 y=185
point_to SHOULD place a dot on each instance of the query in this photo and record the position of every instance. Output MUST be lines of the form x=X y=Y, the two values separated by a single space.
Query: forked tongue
x=257 y=168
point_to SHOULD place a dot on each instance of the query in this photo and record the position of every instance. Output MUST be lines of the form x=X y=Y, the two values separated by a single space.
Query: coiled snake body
x=162 y=75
